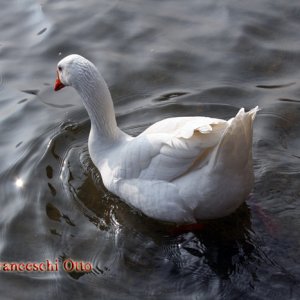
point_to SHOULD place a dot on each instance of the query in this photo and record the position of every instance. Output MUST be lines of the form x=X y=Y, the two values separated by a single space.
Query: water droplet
x=22 y=101
x=31 y=92
x=19 y=144
x=49 y=171
x=52 y=189
x=42 y=31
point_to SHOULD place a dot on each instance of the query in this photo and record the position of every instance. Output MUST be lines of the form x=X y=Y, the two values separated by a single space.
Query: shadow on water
x=222 y=260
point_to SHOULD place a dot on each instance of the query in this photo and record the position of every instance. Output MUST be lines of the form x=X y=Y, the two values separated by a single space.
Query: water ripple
x=161 y=59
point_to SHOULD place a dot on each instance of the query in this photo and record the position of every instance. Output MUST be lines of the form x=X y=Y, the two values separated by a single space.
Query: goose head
x=79 y=73
x=74 y=70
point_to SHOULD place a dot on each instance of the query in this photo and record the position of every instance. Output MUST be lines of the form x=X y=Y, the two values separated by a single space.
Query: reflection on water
x=19 y=183
x=160 y=59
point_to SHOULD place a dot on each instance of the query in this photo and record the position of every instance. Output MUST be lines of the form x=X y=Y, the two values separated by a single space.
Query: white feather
x=179 y=169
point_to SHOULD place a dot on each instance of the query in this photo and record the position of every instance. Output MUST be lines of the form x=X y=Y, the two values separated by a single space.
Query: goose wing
x=169 y=148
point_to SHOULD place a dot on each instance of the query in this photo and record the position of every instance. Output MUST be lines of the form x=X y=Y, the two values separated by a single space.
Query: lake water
x=160 y=59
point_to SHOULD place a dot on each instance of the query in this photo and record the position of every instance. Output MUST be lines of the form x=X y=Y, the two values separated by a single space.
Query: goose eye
x=59 y=68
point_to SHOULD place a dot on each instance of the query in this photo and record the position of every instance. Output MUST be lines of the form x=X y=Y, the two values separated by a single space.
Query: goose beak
x=58 y=84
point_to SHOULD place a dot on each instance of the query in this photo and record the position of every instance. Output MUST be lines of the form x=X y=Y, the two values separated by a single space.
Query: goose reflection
x=223 y=256
x=223 y=245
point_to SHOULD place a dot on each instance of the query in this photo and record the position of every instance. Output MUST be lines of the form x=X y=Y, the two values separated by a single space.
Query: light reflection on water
x=160 y=59
x=19 y=183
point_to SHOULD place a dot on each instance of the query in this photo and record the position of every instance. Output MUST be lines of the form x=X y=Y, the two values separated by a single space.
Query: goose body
x=179 y=169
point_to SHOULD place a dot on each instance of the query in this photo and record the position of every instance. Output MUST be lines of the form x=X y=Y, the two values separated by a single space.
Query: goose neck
x=98 y=103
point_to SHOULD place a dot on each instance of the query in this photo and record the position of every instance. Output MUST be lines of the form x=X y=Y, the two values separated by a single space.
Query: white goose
x=179 y=169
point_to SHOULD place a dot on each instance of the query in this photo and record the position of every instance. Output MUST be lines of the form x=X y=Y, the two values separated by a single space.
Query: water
x=160 y=59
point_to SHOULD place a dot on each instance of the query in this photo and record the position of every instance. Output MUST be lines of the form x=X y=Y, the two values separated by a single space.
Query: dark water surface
x=160 y=59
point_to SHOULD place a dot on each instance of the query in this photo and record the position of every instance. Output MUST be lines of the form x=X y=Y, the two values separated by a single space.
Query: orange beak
x=58 y=84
